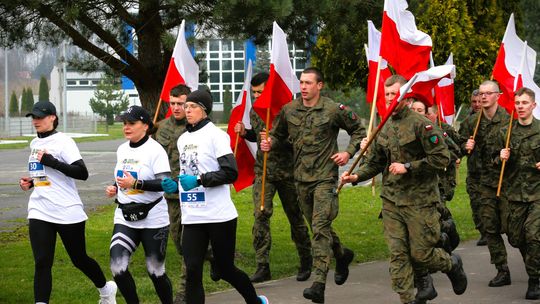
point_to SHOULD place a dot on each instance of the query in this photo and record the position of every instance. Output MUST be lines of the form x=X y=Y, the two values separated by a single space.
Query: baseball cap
x=136 y=113
x=42 y=109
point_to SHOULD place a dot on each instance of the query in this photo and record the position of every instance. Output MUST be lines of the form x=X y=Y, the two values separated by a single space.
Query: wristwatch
x=407 y=166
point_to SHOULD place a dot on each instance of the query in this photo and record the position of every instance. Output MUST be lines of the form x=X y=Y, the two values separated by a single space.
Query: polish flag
x=245 y=150
x=372 y=53
x=508 y=63
x=525 y=79
x=421 y=86
x=444 y=96
x=404 y=47
x=182 y=68
x=282 y=83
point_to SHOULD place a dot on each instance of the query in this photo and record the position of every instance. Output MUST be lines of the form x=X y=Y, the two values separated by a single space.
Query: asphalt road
x=99 y=158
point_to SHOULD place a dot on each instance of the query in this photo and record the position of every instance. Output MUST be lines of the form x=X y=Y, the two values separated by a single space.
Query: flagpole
x=372 y=114
x=157 y=111
x=375 y=134
x=236 y=143
x=476 y=127
x=265 y=158
x=506 y=147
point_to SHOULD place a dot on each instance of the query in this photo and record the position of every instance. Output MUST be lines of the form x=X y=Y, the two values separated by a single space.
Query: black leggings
x=222 y=237
x=43 y=241
x=123 y=244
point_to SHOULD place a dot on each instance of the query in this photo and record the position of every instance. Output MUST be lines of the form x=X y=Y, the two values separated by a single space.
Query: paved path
x=370 y=283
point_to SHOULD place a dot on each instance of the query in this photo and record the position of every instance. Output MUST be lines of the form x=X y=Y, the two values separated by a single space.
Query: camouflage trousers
x=262 y=238
x=175 y=233
x=524 y=233
x=493 y=211
x=320 y=206
x=412 y=233
x=473 y=189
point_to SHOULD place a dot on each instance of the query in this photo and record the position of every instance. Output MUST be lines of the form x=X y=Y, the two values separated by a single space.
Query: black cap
x=42 y=109
x=203 y=98
x=136 y=113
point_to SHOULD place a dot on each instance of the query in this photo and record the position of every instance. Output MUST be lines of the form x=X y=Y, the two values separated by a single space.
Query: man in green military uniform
x=279 y=178
x=167 y=135
x=522 y=186
x=472 y=182
x=493 y=209
x=311 y=124
x=410 y=152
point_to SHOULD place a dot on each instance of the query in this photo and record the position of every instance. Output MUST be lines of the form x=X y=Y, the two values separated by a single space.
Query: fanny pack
x=133 y=212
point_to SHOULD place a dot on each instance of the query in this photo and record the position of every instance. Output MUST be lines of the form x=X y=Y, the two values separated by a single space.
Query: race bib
x=35 y=168
x=194 y=199
x=130 y=191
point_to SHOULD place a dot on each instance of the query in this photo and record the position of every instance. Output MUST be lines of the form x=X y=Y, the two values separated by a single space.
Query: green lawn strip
x=357 y=225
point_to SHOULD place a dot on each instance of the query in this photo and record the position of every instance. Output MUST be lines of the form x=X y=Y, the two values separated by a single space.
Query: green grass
x=357 y=225
x=115 y=132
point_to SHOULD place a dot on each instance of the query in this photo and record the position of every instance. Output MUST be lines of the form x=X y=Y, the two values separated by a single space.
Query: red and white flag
x=508 y=63
x=404 y=47
x=420 y=87
x=282 y=83
x=525 y=79
x=444 y=96
x=245 y=150
x=372 y=53
x=182 y=68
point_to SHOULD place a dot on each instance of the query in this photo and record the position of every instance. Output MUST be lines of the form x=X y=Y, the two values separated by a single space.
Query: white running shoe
x=109 y=293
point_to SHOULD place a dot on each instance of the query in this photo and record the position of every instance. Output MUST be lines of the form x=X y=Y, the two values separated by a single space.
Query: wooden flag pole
x=265 y=158
x=157 y=111
x=476 y=127
x=372 y=114
x=236 y=143
x=508 y=134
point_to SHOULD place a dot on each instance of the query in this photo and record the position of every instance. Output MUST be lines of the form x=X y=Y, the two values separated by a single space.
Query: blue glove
x=169 y=185
x=188 y=182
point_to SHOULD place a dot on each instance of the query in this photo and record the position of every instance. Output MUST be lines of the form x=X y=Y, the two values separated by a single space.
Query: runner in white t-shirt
x=141 y=216
x=207 y=167
x=55 y=206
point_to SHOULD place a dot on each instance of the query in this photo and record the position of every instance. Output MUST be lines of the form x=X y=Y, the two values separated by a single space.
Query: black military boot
x=342 y=266
x=449 y=226
x=502 y=278
x=315 y=293
x=457 y=275
x=482 y=241
x=262 y=274
x=304 y=272
x=424 y=288
x=533 y=291
x=444 y=243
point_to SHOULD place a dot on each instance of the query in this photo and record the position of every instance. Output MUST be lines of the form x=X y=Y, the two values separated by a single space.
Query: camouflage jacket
x=447 y=178
x=313 y=132
x=521 y=178
x=486 y=144
x=279 y=164
x=408 y=137
x=167 y=135
x=466 y=130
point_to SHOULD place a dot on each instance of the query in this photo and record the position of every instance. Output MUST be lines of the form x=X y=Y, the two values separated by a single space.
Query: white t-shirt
x=55 y=198
x=199 y=152
x=143 y=163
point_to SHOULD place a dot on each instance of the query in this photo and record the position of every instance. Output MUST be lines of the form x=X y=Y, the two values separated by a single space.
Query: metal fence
x=22 y=126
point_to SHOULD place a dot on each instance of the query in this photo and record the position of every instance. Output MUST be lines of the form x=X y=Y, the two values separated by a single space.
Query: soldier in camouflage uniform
x=493 y=209
x=311 y=124
x=167 y=135
x=472 y=183
x=522 y=186
x=279 y=178
x=410 y=152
